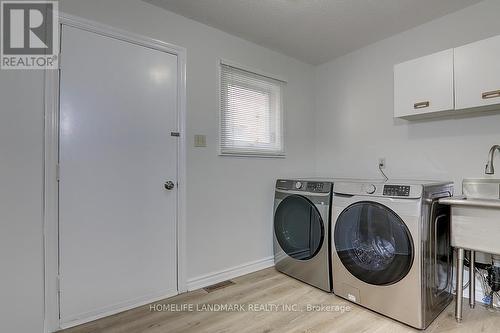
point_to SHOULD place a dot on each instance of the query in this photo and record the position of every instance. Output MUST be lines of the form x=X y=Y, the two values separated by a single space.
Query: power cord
x=382 y=172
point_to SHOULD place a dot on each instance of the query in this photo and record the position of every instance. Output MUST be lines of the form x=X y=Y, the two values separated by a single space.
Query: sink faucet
x=489 y=166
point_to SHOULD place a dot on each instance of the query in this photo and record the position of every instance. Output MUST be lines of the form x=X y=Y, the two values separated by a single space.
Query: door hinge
x=58 y=284
x=175 y=134
x=58 y=172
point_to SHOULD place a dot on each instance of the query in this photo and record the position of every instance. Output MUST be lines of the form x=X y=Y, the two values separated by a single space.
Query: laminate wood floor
x=253 y=292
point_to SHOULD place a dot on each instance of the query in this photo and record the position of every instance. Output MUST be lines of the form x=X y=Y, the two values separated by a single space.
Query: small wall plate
x=200 y=140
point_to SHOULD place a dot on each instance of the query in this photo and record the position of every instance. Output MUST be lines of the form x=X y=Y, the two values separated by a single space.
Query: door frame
x=51 y=161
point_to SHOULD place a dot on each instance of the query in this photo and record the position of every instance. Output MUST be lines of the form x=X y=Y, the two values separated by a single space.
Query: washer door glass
x=298 y=227
x=373 y=243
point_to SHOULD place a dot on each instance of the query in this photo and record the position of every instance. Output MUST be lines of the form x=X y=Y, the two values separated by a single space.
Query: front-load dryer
x=391 y=248
x=302 y=231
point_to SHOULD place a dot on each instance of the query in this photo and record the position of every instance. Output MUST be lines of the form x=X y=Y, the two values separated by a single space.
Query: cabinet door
x=424 y=85
x=477 y=74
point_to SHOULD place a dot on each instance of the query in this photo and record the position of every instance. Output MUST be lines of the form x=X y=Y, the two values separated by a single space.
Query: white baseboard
x=230 y=273
x=117 y=308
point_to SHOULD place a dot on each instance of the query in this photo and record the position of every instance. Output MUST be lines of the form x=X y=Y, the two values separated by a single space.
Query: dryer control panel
x=304 y=185
x=397 y=190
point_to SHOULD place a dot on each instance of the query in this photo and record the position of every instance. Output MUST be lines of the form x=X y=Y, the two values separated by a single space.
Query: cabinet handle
x=491 y=94
x=421 y=105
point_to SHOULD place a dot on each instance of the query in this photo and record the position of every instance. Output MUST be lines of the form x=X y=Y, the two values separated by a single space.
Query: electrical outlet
x=381 y=162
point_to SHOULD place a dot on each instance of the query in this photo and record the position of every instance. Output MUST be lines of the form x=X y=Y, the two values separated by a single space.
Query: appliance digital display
x=397 y=190
x=315 y=187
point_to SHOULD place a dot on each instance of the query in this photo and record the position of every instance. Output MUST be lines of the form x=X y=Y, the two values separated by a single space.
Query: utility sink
x=475 y=216
x=483 y=188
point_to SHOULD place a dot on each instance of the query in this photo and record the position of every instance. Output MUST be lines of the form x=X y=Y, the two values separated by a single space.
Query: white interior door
x=117 y=220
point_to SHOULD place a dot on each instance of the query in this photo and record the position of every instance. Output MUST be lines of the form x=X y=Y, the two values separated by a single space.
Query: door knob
x=169 y=185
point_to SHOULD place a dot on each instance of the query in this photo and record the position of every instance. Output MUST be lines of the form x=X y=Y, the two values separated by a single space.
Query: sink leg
x=460 y=283
x=472 y=286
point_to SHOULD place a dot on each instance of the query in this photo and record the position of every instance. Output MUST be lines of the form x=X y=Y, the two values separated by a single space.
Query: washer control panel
x=397 y=190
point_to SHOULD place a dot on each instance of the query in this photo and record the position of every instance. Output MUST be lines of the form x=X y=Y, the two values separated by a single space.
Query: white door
x=477 y=74
x=424 y=85
x=117 y=220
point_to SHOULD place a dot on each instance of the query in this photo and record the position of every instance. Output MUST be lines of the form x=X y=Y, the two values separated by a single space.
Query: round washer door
x=298 y=227
x=373 y=243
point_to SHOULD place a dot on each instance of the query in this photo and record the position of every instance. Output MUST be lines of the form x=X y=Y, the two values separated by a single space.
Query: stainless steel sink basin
x=483 y=188
x=475 y=216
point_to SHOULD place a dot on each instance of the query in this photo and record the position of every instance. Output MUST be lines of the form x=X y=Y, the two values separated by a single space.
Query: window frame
x=242 y=152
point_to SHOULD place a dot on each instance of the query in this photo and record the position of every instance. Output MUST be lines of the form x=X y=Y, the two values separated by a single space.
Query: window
x=251 y=113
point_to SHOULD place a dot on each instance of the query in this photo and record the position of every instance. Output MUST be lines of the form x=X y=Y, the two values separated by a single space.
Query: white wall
x=21 y=260
x=229 y=200
x=354 y=108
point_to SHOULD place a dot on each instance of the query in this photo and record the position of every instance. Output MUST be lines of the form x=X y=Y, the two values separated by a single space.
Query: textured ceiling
x=314 y=31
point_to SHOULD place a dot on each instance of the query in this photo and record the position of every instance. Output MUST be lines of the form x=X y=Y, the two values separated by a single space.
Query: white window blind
x=251 y=113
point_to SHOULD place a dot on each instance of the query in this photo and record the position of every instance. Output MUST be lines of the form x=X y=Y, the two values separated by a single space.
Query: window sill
x=256 y=155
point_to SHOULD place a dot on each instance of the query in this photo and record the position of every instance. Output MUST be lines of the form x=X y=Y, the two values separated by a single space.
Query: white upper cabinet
x=466 y=78
x=424 y=85
x=477 y=74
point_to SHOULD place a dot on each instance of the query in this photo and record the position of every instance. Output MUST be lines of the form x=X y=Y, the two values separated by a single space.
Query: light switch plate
x=200 y=140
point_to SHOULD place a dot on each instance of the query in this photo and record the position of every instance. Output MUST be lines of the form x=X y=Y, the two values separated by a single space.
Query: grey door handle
x=169 y=185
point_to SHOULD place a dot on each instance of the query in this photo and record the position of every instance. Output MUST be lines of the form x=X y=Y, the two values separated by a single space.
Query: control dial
x=298 y=185
x=370 y=189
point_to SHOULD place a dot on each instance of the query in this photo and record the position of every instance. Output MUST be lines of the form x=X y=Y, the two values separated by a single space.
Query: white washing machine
x=391 y=248
x=302 y=230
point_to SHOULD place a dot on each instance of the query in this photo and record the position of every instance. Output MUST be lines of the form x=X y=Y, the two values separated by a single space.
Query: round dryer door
x=373 y=243
x=298 y=227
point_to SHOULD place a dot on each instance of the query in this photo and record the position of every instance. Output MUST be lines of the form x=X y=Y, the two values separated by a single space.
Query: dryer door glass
x=298 y=227
x=373 y=243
